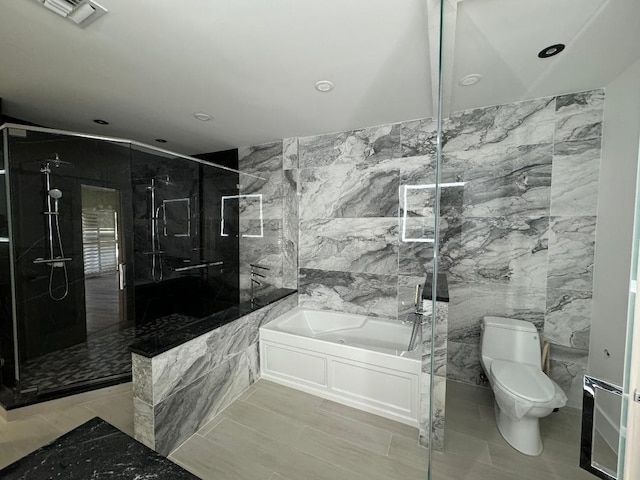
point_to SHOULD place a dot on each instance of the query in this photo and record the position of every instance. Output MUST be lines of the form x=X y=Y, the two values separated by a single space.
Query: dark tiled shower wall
x=517 y=238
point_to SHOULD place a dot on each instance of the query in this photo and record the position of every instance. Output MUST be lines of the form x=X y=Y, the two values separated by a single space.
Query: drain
x=341 y=341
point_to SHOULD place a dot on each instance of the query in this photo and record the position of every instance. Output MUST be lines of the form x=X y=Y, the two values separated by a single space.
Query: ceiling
x=148 y=65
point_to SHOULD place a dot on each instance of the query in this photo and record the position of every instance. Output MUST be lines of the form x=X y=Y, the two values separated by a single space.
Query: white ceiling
x=148 y=65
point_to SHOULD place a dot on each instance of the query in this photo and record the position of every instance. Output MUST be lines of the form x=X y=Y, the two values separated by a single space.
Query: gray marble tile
x=260 y=159
x=182 y=414
x=272 y=311
x=350 y=191
x=253 y=361
x=474 y=300
x=418 y=170
x=262 y=197
x=181 y=366
x=419 y=137
x=143 y=423
x=437 y=422
x=266 y=250
x=571 y=253
x=360 y=293
x=366 y=245
x=579 y=115
x=575 y=174
x=141 y=376
x=290 y=230
x=568 y=367
x=573 y=103
x=435 y=351
x=510 y=249
x=290 y=153
x=464 y=364
x=568 y=318
x=517 y=180
x=525 y=123
x=353 y=147
x=415 y=258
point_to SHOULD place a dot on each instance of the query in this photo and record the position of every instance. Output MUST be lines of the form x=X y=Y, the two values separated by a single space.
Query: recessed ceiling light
x=551 y=51
x=205 y=117
x=324 y=86
x=161 y=140
x=101 y=122
x=470 y=79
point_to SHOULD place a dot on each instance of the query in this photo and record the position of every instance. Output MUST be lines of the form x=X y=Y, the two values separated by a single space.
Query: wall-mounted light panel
x=80 y=12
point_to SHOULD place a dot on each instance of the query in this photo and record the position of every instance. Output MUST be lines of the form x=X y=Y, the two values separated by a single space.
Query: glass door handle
x=122 y=276
x=590 y=387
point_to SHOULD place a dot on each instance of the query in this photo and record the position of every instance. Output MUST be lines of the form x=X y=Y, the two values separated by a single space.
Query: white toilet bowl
x=510 y=351
x=523 y=395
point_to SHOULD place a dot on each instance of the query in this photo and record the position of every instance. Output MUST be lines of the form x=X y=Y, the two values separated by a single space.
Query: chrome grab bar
x=200 y=265
x=52 y=260
x=587 y=463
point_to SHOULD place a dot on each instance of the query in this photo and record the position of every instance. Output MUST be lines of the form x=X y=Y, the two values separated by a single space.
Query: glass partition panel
x=537 y=163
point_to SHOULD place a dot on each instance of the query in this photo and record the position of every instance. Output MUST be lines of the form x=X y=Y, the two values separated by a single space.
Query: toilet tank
x=509 y=339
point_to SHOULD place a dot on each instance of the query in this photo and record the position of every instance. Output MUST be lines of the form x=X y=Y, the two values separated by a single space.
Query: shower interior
x=96 y=274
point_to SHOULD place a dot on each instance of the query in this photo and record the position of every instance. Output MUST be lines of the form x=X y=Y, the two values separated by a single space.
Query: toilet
x=511 y=359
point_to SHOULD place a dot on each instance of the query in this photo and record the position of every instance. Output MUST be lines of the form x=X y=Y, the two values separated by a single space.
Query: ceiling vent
x=80 y=12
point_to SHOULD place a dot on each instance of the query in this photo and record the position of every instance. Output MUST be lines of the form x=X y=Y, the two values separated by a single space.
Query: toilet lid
x=524 y=381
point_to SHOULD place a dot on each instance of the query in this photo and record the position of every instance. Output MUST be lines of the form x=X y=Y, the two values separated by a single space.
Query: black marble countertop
x=159 y=343
x=442 y=288
x=94 y=450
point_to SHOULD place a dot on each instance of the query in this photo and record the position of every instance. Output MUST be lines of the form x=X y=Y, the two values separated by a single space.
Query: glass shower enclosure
x=102 y=241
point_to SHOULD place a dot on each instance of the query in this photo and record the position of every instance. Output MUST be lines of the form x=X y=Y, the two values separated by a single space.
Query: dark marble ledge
x=94 y=450
x=442 y=288
x=156 y=344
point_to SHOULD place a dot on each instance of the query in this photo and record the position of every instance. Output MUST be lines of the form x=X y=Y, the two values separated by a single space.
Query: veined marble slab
x=502 y=250
x=366 y=245
x=346 y=190
x=472 y=301
x=290 y=230
x=436 y=423
x=525 y=123
x=360 y=293
x=353 y=147
x=568 y=367
x=419 y=137
x=464 y=363
x=260 y=159
x=575 y=175
x=579 y=116
x=571 y=253
x=568 y=318
x=290 y=153
x=262 y=198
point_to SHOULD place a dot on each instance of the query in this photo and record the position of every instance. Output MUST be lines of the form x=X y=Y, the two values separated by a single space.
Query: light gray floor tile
x=409 y=452
x=471 y=447
x=355 y=458
x=305 y=410
x=29 y=434
x=275 y=456
x=117 y=410
x=377 y=421
x=69 y=418
x=212 y=460
x=266 y=422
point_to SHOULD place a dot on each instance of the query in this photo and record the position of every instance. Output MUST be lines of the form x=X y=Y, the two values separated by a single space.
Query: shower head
x=55 y=193
x=53 y=162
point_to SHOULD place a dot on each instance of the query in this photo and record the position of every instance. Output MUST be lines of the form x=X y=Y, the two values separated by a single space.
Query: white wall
x=621 y=131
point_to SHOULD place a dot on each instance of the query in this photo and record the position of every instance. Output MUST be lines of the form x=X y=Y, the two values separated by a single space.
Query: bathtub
x=355 y=360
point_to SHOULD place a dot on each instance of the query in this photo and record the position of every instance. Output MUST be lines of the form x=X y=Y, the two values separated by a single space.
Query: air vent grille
x=80 y=12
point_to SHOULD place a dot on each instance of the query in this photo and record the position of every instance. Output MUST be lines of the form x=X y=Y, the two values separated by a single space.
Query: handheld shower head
x=55 y=193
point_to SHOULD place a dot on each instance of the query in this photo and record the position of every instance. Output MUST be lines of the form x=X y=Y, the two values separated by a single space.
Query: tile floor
x=275 y=433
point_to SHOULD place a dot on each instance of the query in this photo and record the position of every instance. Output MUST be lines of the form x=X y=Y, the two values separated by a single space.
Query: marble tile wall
x=178 y=391
x=520 y=234
x=351 y=254
x=269 y=215
x=517 y=224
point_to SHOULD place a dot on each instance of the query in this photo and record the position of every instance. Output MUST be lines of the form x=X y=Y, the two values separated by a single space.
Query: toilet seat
x=523 y=381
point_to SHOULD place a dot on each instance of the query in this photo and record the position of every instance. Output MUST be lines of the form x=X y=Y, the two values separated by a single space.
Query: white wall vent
x=80 y=12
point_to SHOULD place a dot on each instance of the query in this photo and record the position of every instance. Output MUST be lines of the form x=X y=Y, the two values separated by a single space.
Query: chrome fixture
x=53 y=196
x=417 y=319
x=156 y=251
x=254 y=280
